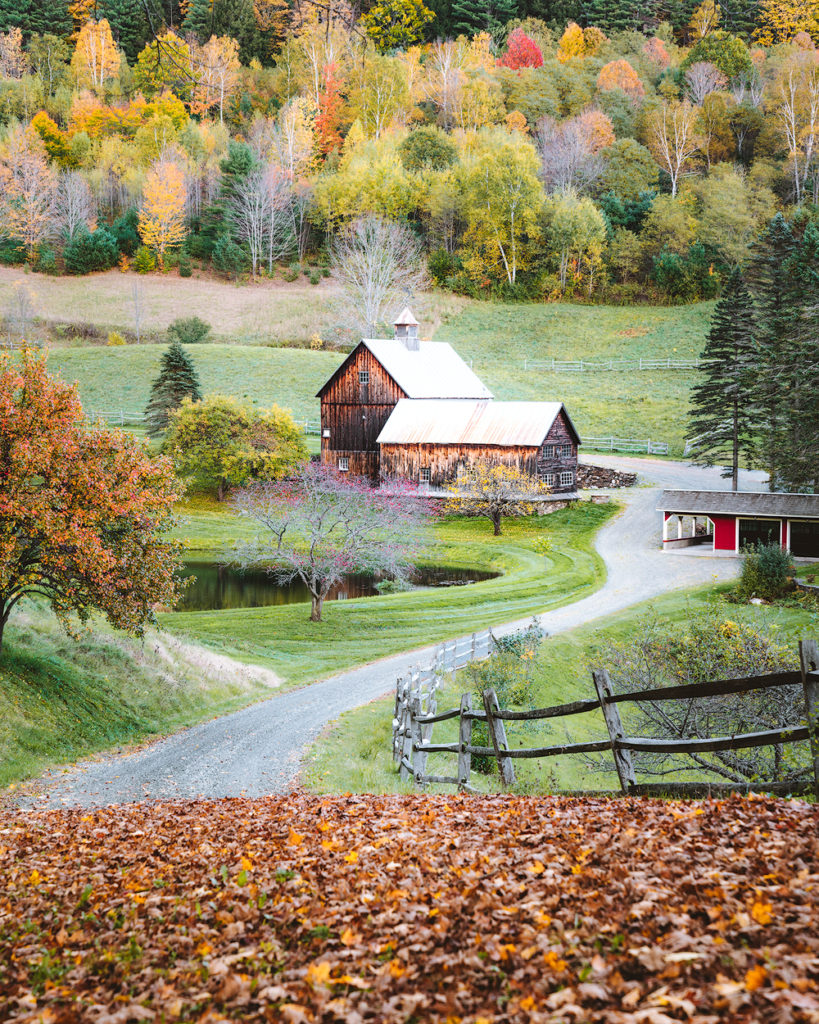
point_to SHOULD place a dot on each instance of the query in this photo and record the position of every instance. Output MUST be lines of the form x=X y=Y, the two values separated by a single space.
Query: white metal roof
x=433 y=370
x=463 y=422
x=405 y=318
x=741 y=503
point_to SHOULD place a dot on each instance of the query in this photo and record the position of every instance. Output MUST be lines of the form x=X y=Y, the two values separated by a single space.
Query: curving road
x=258 y=750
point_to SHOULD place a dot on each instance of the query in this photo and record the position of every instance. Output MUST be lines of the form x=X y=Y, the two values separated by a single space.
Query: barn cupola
x=406 y=329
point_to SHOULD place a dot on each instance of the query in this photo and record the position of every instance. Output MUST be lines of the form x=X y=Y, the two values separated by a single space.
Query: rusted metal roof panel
x=740 y=503
x=507 y=424
x=433 y=370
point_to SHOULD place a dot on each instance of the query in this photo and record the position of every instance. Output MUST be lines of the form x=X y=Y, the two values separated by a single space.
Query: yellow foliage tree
x=516 y=122
x=96 y=59
x=780 y=20
x=494 y=491
x=162 y=215
x=216 y=67
x=572 y=43
x=704 y=19
x=593 y=39
x=598 y=129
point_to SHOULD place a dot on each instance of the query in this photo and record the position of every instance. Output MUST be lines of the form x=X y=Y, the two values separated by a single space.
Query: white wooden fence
x=626 y=444
x=606 y=365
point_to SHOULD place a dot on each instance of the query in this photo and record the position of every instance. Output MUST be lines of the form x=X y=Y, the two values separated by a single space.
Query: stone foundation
x=590 y=477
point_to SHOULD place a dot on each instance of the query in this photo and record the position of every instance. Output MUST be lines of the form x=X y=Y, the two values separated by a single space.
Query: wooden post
x=622 y=758
x=406 y=738
x=419 y=757
x=809 y=658
x=473 y=648
x=464 y=740
x=498 y=733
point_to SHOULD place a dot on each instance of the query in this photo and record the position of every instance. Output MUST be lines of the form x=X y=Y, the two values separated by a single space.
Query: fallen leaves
x=388 y=909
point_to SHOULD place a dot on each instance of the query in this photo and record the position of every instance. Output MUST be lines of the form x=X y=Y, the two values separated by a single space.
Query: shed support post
x=679 y=527
x=666 y=519
x=498 y=733
x=464 y=740
x=809 y=658
x=622 y=758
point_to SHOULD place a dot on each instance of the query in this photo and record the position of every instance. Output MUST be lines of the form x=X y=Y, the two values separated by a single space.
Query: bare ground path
x=258 y=751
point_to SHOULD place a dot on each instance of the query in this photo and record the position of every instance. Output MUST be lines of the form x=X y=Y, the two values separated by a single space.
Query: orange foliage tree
x=597 y=129
x=96 y=58
x=83 y=510
x=329 y=116
x=162 y=215
x=619 y=74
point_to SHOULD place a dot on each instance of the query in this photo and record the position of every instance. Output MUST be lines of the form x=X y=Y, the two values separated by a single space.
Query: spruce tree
x=200 y=19
x=721 y=415
x=469 y=17
x=177 y=380
x=128 y=25
x=776 y=308
x=614 y=15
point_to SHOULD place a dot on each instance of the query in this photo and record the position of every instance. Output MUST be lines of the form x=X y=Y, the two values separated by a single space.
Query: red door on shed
x=725 y=533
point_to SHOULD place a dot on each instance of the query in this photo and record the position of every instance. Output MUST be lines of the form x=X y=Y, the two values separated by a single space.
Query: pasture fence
x=117 y=417
x=608 y=365
x=417 y=713
x=626 y=444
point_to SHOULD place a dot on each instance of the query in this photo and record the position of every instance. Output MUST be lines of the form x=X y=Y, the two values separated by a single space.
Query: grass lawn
x=62 y=699
x=355 y=752
x=496 y=337
x=358 y=631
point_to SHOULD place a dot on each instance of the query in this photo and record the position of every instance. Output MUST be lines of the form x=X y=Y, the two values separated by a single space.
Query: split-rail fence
x=416 y=713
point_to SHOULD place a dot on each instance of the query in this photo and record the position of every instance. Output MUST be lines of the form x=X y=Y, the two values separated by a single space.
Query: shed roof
x=741 y=503
x=433 y=370
x=507 y=424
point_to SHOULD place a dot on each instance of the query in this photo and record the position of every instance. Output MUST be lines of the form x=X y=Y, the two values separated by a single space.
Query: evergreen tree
x=15 y=14
x=177 y=380
x=128 y=25
x=468 y=17
x=721 y=414
x=615 y=15
x=35 y=17
x=200 y=19
x=776 y=309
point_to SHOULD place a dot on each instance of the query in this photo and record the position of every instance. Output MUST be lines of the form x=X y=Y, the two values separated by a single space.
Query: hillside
x=427 y=909
x=497 y=337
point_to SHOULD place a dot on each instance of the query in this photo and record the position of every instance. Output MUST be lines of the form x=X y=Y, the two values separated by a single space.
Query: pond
x=218 y=586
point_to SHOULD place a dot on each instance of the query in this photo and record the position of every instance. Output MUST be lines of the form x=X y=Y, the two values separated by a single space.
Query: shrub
x=441 y=265
x=115 y=338
x=189 y=330
x=767 y=571
x=315 y=277
x=185 y=269
x=229 y=257
x=144 y=260
x=316 y=342
x=46 y=262
x=292 y=272
x=90 y=251
x=12 y=254
x=325 y=271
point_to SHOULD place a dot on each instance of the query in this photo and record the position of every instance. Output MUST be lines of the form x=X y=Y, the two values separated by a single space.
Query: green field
x=355 y=754
x=496 y=337
x=355 y=632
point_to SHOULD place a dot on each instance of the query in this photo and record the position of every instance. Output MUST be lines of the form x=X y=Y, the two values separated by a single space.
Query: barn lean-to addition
x=411 y=409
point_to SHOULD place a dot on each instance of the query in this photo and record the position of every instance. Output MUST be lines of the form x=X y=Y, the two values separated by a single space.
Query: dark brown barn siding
x=354 y=412
x=548 y=459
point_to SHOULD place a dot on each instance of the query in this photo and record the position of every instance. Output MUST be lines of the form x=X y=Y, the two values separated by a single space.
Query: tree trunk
x=496 y=522
x=4 y=615
x=221 y=490
x=735 y=464
x=315 y=608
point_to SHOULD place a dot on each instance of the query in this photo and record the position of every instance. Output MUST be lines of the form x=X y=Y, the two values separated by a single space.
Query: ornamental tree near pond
x=83 y=509
x=323 y=525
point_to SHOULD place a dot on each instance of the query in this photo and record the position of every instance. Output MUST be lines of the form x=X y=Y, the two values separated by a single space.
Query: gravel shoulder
x=258 y=750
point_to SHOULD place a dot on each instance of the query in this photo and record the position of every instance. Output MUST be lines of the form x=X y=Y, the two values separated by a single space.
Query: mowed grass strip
x=359 y=631
x=355 y=754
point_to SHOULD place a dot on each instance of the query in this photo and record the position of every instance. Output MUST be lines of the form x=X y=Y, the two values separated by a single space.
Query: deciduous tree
x=27 y=190
x=323 y=525
x=83 y=510
x=780 y=20
x=494 y=492
x=215 y=68
x=74 y=206
x=162 y=214
x=521 y=52
x=619 y=74
x=396 y=24
x=222 y=444
x=96 y=61
x=673 y=140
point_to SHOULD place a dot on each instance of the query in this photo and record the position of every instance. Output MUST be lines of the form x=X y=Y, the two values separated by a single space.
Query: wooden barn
x=434 y=442
x=413 y=410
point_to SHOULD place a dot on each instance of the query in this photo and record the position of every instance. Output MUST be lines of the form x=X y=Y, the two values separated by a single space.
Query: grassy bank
x=498 y=339
x=355 y=753
x=62 y=699
x=355 y=632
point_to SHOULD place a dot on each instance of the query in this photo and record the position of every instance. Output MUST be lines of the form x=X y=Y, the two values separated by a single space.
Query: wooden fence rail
x=416 y=713
x=626 y=444
x=608 y=365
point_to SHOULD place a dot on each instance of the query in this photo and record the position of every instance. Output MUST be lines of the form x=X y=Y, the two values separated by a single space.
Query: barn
x=403 y=408
x=728 y=521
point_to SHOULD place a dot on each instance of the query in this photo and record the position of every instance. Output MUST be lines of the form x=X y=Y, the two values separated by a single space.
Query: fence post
x=464 y=740
x=397 y=722
x=498 y=734
x=472 y=658
x=809 y=658
x=408 y=726
x=622 y=758
x=419 y=757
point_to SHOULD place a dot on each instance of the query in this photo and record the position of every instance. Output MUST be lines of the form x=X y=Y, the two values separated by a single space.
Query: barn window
x=549 y=479
x=548 y=451
x=325 y=432
x=566 y=479
x=564 y=451
x=363 y=376
x=344 y=465
x=425 y=475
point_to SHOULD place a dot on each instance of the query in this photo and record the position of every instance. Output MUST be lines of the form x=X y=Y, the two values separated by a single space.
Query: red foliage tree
x=82 y=508
x=329 y=115
x=522 y=52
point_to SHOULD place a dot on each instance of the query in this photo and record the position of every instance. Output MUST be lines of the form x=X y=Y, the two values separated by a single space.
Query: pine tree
x=721 y=415
x=128 y=25
x=614 y=15
x=49 y=16
x=15 y=14
x=200 y=19
x=472 y=16
x=177 y=380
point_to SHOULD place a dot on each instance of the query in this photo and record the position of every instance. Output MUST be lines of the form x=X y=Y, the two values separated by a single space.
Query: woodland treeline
x=606 y=150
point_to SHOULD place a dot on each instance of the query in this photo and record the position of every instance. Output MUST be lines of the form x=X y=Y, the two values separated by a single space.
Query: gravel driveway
x=258 y=750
